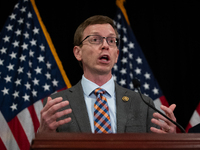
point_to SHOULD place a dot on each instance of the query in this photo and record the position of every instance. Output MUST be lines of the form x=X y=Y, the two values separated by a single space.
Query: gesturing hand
x=49 y=115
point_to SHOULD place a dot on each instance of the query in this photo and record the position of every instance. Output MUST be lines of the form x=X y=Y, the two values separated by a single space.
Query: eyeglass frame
x=117 y=40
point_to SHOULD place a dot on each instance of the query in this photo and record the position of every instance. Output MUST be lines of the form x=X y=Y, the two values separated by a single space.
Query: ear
x=117 y=56
x=77 y=53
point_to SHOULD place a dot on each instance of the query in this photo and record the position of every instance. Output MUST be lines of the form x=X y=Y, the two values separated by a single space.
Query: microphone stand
x=136 y=84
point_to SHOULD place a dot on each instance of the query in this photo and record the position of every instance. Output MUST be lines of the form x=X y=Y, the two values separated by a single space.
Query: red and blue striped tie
x=101 y=113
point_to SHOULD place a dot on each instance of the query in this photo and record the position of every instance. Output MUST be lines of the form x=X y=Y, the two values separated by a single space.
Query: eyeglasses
x=97 y=39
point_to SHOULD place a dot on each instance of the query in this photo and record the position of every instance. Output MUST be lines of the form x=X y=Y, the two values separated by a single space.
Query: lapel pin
x=125 y=98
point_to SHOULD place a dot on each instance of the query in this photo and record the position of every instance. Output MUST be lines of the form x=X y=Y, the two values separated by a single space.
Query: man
x=76 y=109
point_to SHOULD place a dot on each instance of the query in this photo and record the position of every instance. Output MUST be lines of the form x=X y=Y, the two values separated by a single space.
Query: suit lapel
x=79 y=109
x=122 y=108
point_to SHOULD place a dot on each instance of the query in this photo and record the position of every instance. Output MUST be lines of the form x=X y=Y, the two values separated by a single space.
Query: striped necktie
x=101 y=113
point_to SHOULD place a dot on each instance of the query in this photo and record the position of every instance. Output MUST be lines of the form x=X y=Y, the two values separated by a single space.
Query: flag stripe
x=6 y=135
x=38 y=107
x=2 y=146
x=26 y=123
x=19 y=134
x=34 y=117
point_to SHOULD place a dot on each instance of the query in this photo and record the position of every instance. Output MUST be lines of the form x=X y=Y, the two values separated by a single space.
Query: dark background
x=168 y=33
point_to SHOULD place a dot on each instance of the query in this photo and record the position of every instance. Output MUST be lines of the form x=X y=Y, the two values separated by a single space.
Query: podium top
x=115 y=141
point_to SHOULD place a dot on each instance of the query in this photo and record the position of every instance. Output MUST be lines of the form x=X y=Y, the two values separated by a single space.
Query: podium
x=151 y=141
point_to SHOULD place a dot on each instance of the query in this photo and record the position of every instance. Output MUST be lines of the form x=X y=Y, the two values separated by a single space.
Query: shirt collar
x=89 y=86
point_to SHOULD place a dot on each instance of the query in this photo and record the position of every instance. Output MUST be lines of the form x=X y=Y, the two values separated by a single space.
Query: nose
x=104 y=44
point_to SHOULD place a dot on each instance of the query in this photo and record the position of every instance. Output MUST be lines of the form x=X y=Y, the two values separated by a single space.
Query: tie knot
x=98 y=91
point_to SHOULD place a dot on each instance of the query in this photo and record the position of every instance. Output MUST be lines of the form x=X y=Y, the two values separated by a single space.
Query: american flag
x=195 y=119
x=30 y=70
x=132 y=63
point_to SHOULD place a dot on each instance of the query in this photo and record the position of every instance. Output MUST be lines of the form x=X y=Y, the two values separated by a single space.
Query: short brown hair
x=97 y=19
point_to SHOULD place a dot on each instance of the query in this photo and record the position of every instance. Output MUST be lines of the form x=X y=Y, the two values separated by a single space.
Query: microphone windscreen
x=136 y=83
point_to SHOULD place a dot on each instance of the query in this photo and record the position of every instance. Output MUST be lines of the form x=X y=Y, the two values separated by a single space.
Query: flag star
x=3 y=50
x=125 y=49
x=48 y=65
x=48 y=75
x=124 y=60
x=119 y=16
x=33 y=42
x=12 y=16
x=115 y=67
x=46 y=87
x=124 y=29
x=18 y=82
x=146 y=86
x=123 y=71
x=13 y=55
x=26 y=97
x=36 y=30
x=131 y=45
x=1 y=62
x=5 y=91
x=139 y=60
x=16 y=6
x=16 y=44
x=20 y=70
x=131 y=85
x=29 y=74
x=10 y=67
x=8 y=79
x=20 y=21
x=23 y=9
x=131 y=75
x=24 y=46
x=118 y=25
x=16 y=94
x=13 y=107
x=131 y=65
x=34 y=93
x=147 y=75
x=138 y=71
x=124 y=39
x=30 y=64
x=9 y=27
x=26 y=35
x=6 y=39
x=38 y=70
x=122 y=82
x=36 y=82
x=22 y=58
x=42 y=47
x=130 y=55
x=28 y=25
x=40 y=58
x=18 y=32
x=155 y=91
x=114 y=77
x=29 y=15
x=55 y=82
x=31 y=53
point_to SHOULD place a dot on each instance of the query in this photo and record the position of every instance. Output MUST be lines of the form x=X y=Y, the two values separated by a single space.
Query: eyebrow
x=98 y=33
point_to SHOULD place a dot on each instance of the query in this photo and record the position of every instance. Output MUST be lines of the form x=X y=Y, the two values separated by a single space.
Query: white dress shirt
x=90 y=98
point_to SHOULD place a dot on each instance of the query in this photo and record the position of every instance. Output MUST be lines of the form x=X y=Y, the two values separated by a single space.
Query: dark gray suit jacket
x=132 y=116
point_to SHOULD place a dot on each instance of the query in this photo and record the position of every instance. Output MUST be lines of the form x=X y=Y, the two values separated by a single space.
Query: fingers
x=50 y=114
x=166 y=126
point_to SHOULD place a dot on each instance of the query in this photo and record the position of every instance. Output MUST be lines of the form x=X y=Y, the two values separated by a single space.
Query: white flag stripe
x=38 y=107
x=195 y=119
x=27 y=124
x=158 y=103
x=6 y=135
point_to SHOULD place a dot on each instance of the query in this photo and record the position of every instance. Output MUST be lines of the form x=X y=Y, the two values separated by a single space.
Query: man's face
x=98 y=58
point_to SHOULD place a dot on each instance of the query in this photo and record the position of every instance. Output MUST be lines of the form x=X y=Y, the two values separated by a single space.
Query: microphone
x=136 y=84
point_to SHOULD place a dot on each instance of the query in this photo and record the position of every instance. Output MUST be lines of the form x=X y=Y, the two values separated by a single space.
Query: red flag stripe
x=34 y=117
x=2 y=146
x=19 y=134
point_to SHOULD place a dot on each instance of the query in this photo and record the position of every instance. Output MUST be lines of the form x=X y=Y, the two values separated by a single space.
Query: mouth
x=104 y=58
